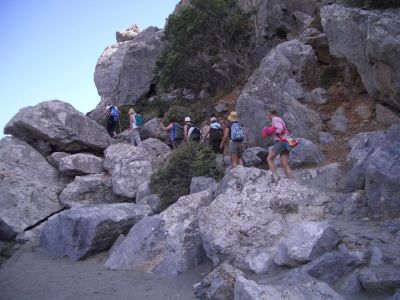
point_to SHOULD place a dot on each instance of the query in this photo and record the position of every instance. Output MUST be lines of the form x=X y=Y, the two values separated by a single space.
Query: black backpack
x=215 y=139
x=195 y=134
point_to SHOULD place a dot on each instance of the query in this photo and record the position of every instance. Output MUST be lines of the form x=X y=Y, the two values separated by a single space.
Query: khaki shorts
x=279 y=148
x=236 y=148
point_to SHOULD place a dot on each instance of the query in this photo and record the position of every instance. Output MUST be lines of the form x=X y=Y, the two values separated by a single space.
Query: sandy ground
x=33 y=274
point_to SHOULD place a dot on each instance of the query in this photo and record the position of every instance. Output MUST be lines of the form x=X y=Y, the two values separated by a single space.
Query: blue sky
x=49 y=48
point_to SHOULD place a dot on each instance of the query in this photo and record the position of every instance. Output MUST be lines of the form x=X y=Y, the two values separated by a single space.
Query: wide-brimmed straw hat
x=233 y=116
x=131 y=111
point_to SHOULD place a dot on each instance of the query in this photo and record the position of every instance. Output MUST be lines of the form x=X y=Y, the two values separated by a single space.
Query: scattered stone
x=351 y=285
x=327 y=178
x=154 y=201
x=319 y=96
x=152 y=129
x=326 y=138
x=260 y=261
x=339 y=121
x=122 y=154
x=143 y=191
x=221 y=107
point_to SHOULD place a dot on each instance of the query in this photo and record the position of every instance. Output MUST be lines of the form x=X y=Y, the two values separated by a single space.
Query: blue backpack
x=115 y=113
x=138 y=120
x=237 y=133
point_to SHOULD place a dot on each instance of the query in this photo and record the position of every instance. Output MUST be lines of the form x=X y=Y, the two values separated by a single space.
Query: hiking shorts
x=279 y=148
x=235 y=148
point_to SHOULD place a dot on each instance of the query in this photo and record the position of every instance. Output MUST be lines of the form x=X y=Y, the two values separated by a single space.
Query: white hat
x=214 y=119
x=187 y=119
x=108 y=107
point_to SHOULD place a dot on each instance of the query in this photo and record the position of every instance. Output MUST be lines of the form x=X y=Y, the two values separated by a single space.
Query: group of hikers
x=217 y=134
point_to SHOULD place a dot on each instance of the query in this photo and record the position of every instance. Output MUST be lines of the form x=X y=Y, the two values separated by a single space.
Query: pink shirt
x=280 y=127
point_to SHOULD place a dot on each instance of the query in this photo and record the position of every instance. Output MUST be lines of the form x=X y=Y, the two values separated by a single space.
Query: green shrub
x=187 y=161
x=209 y=42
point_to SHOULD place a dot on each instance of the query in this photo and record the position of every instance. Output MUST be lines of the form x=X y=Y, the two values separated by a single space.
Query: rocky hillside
x=330 y=68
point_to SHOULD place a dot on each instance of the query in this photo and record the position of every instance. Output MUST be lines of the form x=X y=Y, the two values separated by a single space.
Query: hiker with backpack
x=191 y=133
x=214 y=133
x=112 y=114
x=235 y=134
x=135 y=121
x=280 y=134
x=175 y=133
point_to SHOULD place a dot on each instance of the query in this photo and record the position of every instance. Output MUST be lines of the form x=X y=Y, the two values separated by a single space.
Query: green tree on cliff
x=209 y=42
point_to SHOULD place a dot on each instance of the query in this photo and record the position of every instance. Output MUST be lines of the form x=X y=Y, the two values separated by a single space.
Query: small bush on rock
x=190 y=160
x=382 y=3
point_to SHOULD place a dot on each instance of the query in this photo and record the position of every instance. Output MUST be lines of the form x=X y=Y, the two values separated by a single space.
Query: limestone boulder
x=255 y=156
x=152 y=129
x=368 y=39
x=125 y=71
x=127 y=34
x=54 y=158
x=81 y=164
x=253 y=209
x=371 y=166
x=121 y=154
x=90 y=189
x=275 y=85
x=306 y=154
x=29 y=187
x=154 y=201
x=168 y=243
x=84 y=230
x=380 y=279
x=202 y=183
x=296 y=285
x=60 y=125
x=308 y=240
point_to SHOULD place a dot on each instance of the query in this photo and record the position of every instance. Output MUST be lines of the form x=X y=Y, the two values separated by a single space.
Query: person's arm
x=206 y=132
x=185 y=133
x=225 y=138
x=166 y=128
x=130 y=121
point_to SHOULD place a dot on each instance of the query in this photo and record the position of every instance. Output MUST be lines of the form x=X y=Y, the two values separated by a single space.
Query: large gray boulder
x=130 y=167
x=152 y=129
x=372 y=165
x=368 y=39
x=308 y=240
x=168 y=243
x=297 y=286
x=128 y=177
x=255 y=156
x=254 y=209
x=125 y=71
x=29 y=187
x=88 y=229
x=275 y=85
x=121 y=154
x=81 y=164
x=306 y=154
x=60 y=125
x=380 y=278
x=90 y=189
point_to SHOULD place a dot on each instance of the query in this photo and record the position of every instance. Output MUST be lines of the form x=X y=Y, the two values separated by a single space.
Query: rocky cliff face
x=125 y=71
x=331 y=232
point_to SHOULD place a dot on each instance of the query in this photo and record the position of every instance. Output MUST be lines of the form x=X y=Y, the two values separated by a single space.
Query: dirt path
x=32 y=274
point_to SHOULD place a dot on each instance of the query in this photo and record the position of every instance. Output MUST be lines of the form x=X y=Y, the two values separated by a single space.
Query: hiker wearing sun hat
x=135 y=135
x=235 y=133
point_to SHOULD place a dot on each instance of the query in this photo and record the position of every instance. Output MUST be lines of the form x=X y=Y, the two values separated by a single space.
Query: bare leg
x=284 y=162
x=270 y=161
x=234 y=160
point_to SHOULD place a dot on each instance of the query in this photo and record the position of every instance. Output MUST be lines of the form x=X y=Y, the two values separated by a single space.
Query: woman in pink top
x=278 y=147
